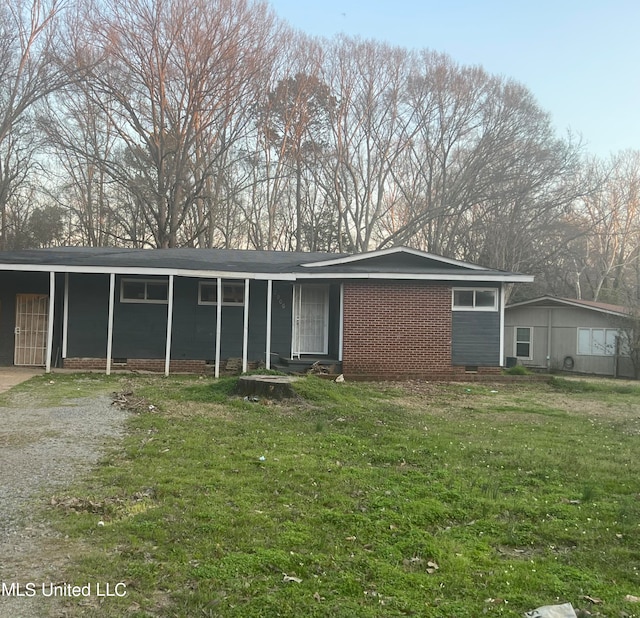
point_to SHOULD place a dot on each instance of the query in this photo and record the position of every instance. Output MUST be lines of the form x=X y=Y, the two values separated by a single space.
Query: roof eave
x=565 y=303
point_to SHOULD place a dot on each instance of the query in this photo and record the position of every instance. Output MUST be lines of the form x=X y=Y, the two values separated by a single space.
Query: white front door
x=32 y=317
x=310 y=320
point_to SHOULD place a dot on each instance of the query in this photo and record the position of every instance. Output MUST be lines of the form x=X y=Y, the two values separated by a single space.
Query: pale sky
x=580 y=58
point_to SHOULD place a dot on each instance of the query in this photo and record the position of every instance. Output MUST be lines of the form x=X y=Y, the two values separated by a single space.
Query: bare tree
x=609 y=253
x=172 y=78
x=29 y=71
x=371 y=131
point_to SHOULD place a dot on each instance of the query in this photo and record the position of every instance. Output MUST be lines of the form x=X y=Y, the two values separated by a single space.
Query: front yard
x=361 y=500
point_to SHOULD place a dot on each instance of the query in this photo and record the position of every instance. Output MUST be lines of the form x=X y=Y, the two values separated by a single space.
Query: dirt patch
x=505 y=400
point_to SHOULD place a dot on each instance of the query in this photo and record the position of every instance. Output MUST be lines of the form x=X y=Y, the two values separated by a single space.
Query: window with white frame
x=475 y=299
x=597 y=341
x=523 y=342
x=232 y=293
x=144 y=291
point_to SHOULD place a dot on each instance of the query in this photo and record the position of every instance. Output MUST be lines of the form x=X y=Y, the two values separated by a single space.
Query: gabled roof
x=395 y=263
x=363 y=258
x=554 y=301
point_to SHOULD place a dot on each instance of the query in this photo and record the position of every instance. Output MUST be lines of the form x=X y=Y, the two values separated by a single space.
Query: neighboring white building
x=566 y=334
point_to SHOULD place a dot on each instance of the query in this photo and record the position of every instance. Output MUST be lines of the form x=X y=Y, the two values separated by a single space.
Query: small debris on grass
x=291 y=578
x=340 y=378
x=594 y=600
x=262 y=458
x=432 y=567
x=630 y=598
x=317 y=597
x=318 y=369
x=553 y=611
x=127 y=401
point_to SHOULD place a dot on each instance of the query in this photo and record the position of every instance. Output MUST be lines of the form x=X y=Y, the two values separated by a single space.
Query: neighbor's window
x=597 y=341
x=143 y=291
x=232 y=293
x=475 y=299
x=523 y=341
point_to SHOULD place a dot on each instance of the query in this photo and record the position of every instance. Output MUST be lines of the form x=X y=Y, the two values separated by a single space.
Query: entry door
x=32 y=315
x=311 y=319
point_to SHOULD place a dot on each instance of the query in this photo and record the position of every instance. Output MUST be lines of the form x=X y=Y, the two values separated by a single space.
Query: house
x=579 y=336
x=393 y=313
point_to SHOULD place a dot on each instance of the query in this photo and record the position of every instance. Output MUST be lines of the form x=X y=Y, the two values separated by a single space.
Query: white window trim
x=591 y=329
x=530 y=342
x=144 y=301
x=228 y=282
x=474 y=290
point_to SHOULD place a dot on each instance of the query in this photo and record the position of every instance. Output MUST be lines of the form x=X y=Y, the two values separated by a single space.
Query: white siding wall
x=564 y=338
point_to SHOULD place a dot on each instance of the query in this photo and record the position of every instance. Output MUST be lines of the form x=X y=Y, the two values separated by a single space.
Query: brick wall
x=230 y=366
x=400 y=330
x=137 y=364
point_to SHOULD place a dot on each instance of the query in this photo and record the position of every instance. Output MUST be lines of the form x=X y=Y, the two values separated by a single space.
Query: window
x=232 y=293
x=597 y=341
x=143 y=291
x=470 y=299
x=523 y=342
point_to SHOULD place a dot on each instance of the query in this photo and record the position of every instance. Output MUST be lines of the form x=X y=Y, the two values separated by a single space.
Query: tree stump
x=270 y=387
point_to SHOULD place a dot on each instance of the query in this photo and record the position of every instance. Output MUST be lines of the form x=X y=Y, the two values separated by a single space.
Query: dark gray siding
x=88 y=316
x=139 y=329
x=334 y=321
x=11 y=284
x=475 y=338
x=281 y=318
x=194 y=326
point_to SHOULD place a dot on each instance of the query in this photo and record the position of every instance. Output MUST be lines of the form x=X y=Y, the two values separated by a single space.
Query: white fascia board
x=129 y=270
x=357 y=257
x=477 y=275
x=506 y=278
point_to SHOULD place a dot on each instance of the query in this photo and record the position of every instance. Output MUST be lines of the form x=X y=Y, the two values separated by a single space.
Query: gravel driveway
x=42 y=450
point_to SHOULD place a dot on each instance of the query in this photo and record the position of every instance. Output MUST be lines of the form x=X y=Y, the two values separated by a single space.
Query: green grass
x=522 y=495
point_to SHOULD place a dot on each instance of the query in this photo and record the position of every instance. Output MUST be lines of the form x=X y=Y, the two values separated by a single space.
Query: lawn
x=364 y=500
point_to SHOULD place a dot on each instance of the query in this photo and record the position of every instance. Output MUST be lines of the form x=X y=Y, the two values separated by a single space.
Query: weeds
x=340 y=502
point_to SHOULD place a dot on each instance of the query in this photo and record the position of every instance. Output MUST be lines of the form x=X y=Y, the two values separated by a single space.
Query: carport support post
x=218 y=325
x=245 y=327
x=267 y=360
x=112 y=291
x=167 y=353
x=502 y=297
x=65 y=316
x=341 y=325
x=52 y=302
